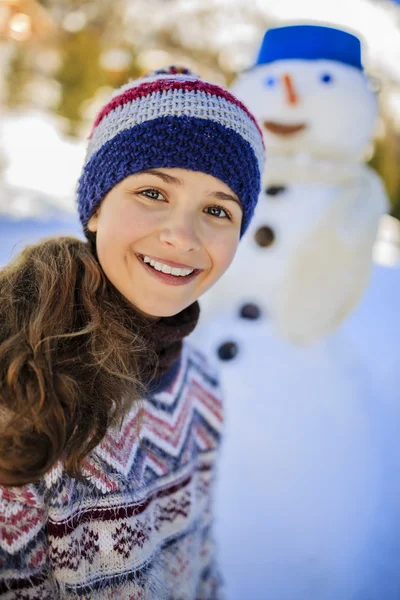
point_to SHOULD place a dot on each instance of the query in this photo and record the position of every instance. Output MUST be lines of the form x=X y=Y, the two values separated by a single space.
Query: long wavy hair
x=71 y=358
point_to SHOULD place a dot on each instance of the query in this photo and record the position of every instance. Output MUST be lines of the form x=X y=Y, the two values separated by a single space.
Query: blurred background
x=60 y=59
x=59 y=62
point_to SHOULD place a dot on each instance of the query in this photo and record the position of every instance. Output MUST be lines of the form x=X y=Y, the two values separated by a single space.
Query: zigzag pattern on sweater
x=140 y=518
x=174 y=426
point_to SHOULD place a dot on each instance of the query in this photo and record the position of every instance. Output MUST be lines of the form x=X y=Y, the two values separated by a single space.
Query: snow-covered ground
x=15 y=234
x=37 y=188
x=39 y=158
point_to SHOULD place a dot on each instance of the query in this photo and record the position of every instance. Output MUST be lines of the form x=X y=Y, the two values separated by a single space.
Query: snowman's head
x=311 y=96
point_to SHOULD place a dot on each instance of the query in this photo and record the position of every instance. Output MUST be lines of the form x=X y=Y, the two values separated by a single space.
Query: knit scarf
x=166 y=338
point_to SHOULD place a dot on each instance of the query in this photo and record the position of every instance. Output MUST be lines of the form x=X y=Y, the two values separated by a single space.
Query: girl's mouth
x=172 y=279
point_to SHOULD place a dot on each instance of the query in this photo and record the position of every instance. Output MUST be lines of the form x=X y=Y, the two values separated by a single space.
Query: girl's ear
x=92 y=223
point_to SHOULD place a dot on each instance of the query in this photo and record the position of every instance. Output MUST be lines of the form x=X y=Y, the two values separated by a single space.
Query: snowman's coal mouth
x=283 y=129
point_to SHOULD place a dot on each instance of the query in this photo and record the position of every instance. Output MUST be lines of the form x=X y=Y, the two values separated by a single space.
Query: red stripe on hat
x=166 y=85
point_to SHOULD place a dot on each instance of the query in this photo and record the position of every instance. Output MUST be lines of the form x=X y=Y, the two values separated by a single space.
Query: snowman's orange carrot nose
x=290 y=91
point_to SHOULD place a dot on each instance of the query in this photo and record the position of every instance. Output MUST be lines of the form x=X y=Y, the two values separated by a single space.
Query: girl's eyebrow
x=166 y=178
x=175 y=180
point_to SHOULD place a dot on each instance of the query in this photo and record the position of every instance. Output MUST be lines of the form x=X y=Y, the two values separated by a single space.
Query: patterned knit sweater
x=139 y=528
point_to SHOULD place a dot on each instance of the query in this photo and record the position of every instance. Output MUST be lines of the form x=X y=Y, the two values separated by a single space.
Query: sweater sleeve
x=211 y=585
x=24 y=565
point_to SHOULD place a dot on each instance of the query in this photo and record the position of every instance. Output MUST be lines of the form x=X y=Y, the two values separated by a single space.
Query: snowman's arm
x=329 y=271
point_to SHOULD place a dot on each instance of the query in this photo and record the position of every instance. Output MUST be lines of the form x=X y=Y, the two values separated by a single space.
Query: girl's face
x=165 y=236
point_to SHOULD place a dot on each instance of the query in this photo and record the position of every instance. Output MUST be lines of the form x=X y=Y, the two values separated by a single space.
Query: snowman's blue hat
x=310 y=42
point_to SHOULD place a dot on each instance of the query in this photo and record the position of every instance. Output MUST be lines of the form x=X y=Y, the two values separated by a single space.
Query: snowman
x=307 y=503
x=311 y=239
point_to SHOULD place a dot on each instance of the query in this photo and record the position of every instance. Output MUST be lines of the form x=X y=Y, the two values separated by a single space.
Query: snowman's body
x=322 y=219
x=306 y=507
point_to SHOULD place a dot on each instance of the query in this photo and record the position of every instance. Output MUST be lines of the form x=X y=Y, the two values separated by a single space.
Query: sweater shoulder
x=195 y=377
x=201 y=361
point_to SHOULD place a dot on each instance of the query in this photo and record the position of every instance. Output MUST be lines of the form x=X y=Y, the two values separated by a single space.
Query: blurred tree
x=87 y=31
x=82 y=73
x=18 y=76
x=102 y=44
x=23 y=20
x=386 y=160
x=386 y=157
x=216 y=38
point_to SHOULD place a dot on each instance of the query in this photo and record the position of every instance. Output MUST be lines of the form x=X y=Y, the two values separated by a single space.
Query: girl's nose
x=181 y=236
x=291 y=95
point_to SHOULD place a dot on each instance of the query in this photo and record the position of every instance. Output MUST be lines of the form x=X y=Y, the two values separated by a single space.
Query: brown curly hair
x=71 y=358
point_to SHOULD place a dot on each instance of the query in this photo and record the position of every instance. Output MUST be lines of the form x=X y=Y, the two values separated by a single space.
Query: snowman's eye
x=326 y=78
x=270 y=81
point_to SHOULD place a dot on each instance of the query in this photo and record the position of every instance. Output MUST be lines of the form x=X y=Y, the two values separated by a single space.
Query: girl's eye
x=219 y=212
x=152 y=194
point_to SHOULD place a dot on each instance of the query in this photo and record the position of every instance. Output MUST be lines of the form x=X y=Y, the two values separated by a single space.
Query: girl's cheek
x=225 y=252
x=131 y=223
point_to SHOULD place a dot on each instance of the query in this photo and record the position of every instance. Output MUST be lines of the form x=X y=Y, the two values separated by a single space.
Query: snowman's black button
x=264 y=236
x=228 y=351
x=275 y=190
x=250 y=311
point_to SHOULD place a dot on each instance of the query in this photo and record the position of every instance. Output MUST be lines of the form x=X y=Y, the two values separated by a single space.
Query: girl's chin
x=154 y=312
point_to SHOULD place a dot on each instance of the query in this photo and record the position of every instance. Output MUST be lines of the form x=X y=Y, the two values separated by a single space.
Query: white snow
x=40 y=162
x=308 y=495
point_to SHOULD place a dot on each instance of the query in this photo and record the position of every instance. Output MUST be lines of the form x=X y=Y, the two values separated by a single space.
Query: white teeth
x=166 y=268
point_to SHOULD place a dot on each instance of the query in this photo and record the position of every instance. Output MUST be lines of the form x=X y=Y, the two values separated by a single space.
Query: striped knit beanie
x=171 y=118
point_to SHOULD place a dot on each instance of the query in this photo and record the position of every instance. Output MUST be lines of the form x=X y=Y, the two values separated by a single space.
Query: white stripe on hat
x=178 y=103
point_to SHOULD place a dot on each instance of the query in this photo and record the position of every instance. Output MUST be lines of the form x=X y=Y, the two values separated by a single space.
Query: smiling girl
x=110 y=423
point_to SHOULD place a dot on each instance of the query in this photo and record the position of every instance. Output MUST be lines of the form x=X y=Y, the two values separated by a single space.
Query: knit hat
x=171 y=118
